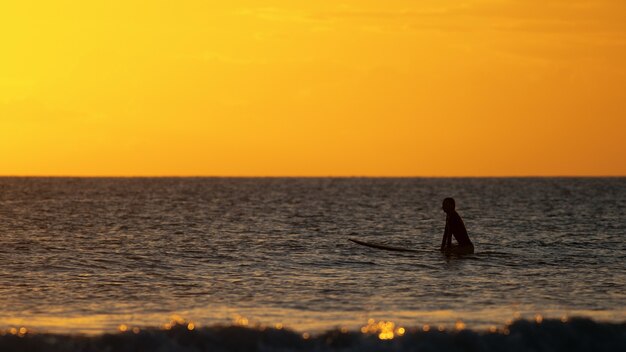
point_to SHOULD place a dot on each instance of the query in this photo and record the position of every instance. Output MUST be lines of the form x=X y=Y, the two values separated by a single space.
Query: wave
x=578 y=334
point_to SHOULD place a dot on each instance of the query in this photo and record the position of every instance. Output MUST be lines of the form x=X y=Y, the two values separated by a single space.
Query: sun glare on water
x=385 y=330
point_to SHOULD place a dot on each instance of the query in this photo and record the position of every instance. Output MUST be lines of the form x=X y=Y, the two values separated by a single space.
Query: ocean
x=85 y=257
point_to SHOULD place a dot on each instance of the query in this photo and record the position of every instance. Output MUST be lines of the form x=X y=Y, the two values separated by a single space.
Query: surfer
x=456 y=228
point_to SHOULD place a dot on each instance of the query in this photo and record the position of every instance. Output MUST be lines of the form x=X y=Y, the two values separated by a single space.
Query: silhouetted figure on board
x=456 y=228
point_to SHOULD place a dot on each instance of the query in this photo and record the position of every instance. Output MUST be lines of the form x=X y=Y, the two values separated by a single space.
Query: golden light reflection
x=177 y=319
x=386 y=330
x=240 y=321
x=306 y=335
x=443 y=320
x=20 y=332
x=459 y=325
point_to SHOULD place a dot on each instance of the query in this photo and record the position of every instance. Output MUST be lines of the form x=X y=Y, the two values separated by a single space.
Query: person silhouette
x=456 y=228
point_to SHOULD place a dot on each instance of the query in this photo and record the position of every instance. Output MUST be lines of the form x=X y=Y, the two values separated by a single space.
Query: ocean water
x=91 y=255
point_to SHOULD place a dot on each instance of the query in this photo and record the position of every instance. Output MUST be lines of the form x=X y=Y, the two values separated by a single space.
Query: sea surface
x=95 y=255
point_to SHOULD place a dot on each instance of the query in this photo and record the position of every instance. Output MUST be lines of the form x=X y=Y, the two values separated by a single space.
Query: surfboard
x=382 y=246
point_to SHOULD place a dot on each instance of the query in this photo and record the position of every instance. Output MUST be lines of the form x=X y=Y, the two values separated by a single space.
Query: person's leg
x=458 y=250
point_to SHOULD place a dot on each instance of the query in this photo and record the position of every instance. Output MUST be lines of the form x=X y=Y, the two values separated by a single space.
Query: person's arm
x=446 y=234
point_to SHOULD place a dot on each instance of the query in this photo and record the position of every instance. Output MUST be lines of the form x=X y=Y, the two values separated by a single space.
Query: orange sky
x=313 y=87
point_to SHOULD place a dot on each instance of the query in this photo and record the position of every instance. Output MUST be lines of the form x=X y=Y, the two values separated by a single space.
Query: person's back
x=455 y=227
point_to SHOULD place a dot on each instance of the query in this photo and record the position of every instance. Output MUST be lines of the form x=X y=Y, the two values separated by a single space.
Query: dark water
x=90 y=254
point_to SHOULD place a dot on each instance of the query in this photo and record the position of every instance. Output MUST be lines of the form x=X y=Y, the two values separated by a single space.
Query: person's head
x=448 y=205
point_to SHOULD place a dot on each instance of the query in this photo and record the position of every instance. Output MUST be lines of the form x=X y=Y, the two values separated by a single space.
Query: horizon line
x=312 y=176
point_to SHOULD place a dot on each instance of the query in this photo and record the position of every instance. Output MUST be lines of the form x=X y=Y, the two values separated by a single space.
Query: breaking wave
x=578 y=334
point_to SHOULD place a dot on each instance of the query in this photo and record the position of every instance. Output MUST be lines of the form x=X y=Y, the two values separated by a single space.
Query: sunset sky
x=313 y=88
